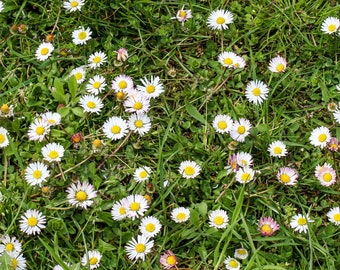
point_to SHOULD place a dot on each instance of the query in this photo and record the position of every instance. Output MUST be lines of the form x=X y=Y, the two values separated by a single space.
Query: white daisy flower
x=239 y=62
x=122 y=54
x=80 y=194
x=151 y=88
x=320 y=136
x=97 y=59
x=6 y=111
x=96 y=85
x=16 y=262
x=142 y=174
x=325 y=174
x=119 y=210
x=336 y=114
x=245 y=175
x=241 y=253
x=277 y=149
x=180 y=214
x=334 y=215
x=240 y=129
x=183 y=15
x=232 y=263
x=122 y=83
x=136 y=205
x=150 y=226
x=32 y=222
x=81 y=35
x=3 y=137
x=52 y=152
x=218 y=219
x=222 y=123
x=44 y=51
x=115 y=128
x=227 y=59
x=38 y=130
x=277 y=64
x=189 y=169
x=1 y=6
x=244 y=159
x=9 y=245
x=36 y=173
x=79 y=73
x=92 y=259
x=137 y=103
x=338 y=85
x=330 y=25
x=219 y=19
x=58 y=267
x=139 y=123
x=137 y=249
x=91 y=103
x=52 y=118
x=256 y=92
x=73 y=5
x=287 y=176
x=299 y=223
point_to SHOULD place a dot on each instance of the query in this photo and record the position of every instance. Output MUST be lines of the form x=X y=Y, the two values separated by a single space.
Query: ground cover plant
x=167 y=134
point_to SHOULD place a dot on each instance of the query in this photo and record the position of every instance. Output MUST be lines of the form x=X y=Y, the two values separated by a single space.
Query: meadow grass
x=197 y=88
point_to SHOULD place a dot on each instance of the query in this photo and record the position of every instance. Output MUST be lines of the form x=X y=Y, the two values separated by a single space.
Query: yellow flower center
x=150 y=89
x=122 y=84
x=51 y=121
x=91 y=104
x=182 y=13
x=242 y=251
x=4 y=108
x=96 y=85
x=228 y=61
x=233 y=263
x=93 y=261
x=171 y=260
x=120 y=95
x=234 y=165
x=78 y=76
x=266 y=229
x=181 y=216
x=134 y=206
x=81 y=196
x=40 y=130
x=74 y=4
x=82 y=35
x=53 y=154
x=44 y=51
x=241 y=129
x=138 y=105
x=245 y=177
x=138 y=123
x=32 y=221
x=256 y=92
x=331 y=27
x=280 y=67
x=14 y=264
x=222 y=125
x=218 y=220
x=220 y=20
x=122 y=211
x=37 y=174
x=285 y=178
x=337 y=217
x=9 y=247
x=2 y=138
x=189 y=170
x=302 y=221
x=327 y=177
x=115 y=129
x=150 y=227
x=277 y=150
x=97 y=143
x=97 y=59
x=140 y=248
x=143 y=174
x=322 y=137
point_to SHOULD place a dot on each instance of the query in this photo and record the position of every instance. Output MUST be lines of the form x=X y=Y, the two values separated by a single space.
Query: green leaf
x=194 y=112
x=54 y=255
x=72 y=87
x=58 y=85
x=78 y=111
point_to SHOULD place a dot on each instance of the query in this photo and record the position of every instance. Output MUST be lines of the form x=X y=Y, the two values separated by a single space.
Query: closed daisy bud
x=277 y=64
x=32 y=221
x=49 y=38
x=180 y=214
x=218 y=219
x=299 y=223
x=267 y=226
x=219 y=19
x=77 y=137
x=334 y=215
x=122 y=55
x=277 y=149
x=189 y=169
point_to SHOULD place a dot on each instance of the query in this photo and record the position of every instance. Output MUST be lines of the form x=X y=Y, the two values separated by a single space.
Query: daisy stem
x=56 y=22
x=70 y=169
x=115 y=151
x=222 y=37
x=5 y=168
x=61 y=171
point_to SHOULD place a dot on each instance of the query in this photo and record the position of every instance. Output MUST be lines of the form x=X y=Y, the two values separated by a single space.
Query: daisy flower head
x=227 y=59
x=218 y=219
x=6 y=111
x=137 y=103
x=1 y=6
x=38 y=130
x=189 y=169
x=232 y=263
x=245 y=175
x=79 y=73
x=183 y=15
x=142 y=174
x=233 y=165
x=256 y=92
x=9 y=245
x=137 y=249
x=277 y=64
x=52 y=152
x=150 y=226
x=3 y=137
x=96 y=85
x=92 y=259
x=180 y=214
x=277 y=149
x=222 y=123
x=119 y=210
x=334 y=215
x=336 y=114
x=91 y=104
x=32 y=221
x=36 y=173
x=97 y=145
x=241 y=253
x=219 y=19
x=17 y=261
x=267 y=226
x=333 y=144
x=80 y=194
x=168 y=260
x=239 y=62
x=330 y=25
x=44 y=51
x=325 y=174
x=81 y=35
x=97 y=59
x=287 y=176
x=122 y=54
x=115 y=128
x=51 y=118
x=299 y=223
x=73 y=5
x=244 y=159
x=58 y=267
x=240 y=129
x=122 y=83
x=139 y=123
x=151 y=88
x=320 y=136
x=136 y=206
